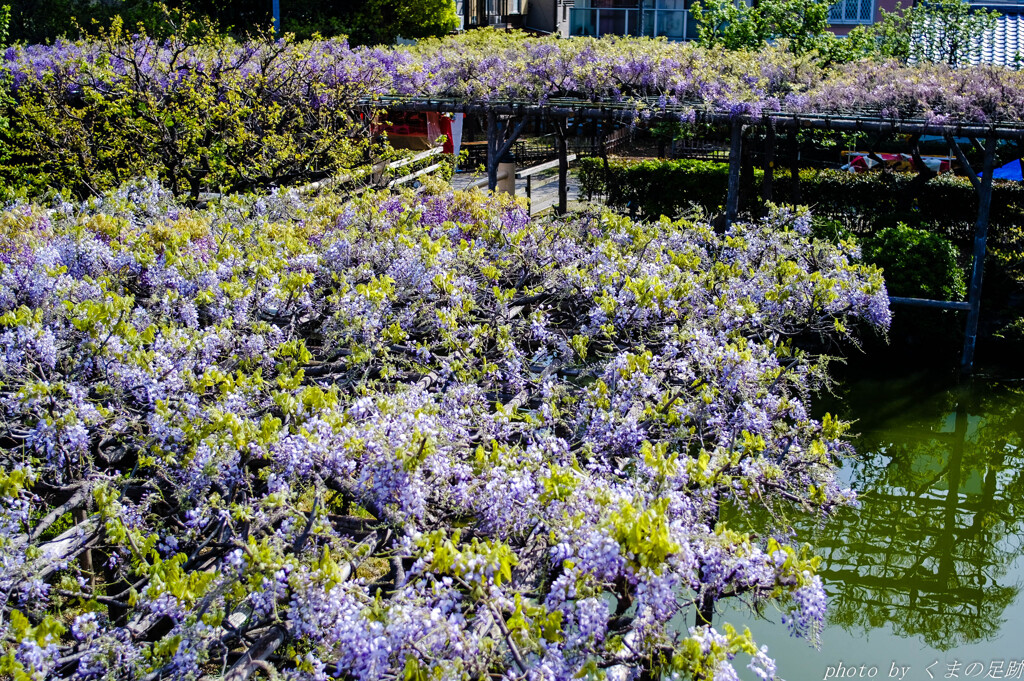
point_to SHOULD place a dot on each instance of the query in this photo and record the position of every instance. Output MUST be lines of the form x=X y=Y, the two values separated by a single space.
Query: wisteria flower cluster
x=498 y=66
x=220 y=116
x=407 y=437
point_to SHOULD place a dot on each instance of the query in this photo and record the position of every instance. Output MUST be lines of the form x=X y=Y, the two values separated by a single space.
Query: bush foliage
x=210 y=116
x=917 y=263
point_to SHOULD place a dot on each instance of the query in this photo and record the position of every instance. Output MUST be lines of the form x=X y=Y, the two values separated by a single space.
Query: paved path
x=544 y=191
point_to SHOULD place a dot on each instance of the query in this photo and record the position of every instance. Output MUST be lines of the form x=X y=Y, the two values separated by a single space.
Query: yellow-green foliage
x=209 y=116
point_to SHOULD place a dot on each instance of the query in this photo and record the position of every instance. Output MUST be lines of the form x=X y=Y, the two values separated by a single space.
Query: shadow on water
x=929 y=561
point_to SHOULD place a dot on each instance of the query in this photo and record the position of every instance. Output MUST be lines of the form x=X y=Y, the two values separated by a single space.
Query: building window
x=852 y=12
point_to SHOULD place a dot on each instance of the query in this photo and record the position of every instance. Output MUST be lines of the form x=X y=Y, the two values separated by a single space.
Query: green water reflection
x=927 y=568
x=939 y=526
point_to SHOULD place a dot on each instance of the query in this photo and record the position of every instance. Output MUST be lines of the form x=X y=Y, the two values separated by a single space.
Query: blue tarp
x=1011 y=171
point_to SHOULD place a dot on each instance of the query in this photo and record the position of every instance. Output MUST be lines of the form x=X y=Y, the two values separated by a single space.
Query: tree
x=239 y=117
x=47 y=20
x=724 y=23
x=365 y=22
x=939 y=31
x=381 y=21
x=802 y=24
x=371 y=22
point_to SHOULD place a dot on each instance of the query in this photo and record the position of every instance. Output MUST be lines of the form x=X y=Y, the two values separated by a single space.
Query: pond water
x=926 y=578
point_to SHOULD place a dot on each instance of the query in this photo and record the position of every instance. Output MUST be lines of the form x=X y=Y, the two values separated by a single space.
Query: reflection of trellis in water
x=934 y=572
x=507 y=120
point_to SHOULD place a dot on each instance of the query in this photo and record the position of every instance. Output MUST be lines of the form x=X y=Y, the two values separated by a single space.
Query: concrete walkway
x=544 y=190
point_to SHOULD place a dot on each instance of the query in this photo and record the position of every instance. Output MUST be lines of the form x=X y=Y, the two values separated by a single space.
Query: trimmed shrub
x=916 y=263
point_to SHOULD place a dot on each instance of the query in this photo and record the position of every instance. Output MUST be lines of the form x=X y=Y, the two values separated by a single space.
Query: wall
x=541 y=16
x=887 y=5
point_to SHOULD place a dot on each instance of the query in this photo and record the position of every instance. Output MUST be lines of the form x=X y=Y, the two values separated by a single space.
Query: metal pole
x=926 y=302
x=732 y=201
x=978 y=266
x=277 y=17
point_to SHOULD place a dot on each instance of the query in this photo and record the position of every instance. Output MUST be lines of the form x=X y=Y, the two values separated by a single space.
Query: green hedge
x=875 y=200
x=656 y=187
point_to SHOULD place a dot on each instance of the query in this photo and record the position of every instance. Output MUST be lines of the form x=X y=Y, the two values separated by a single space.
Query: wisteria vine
x=407 y=437
x=498 y=66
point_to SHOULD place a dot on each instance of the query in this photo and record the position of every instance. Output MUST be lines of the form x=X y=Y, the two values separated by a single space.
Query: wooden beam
x=563 y=167
x=747 y=189
x=408 y=178
x=794 y=165
x=516 y=131
x=626 y=113
x=978 y=266
x=962 y=158
x=529 y=173
x=401 y=163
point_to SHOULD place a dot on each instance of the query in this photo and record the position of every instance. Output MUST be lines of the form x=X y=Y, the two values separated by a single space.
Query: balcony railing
x=670 y=23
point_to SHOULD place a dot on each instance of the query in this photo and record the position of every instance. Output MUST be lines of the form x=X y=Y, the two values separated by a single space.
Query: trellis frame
x=506 y=120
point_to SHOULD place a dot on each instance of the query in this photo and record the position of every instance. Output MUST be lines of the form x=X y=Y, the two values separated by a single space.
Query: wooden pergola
x=506 y=121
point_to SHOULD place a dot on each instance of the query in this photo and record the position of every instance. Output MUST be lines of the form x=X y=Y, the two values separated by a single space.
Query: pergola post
x=984 y=190
x=747 y=190
x=493 y=134
x=563 y=166
x=767 y=185
x=500 y=138
x=794 y=165
x=732 y=200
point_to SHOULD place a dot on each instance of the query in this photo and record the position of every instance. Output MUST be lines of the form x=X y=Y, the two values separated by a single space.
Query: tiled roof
x=1005 y=44
x=1002 y=46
